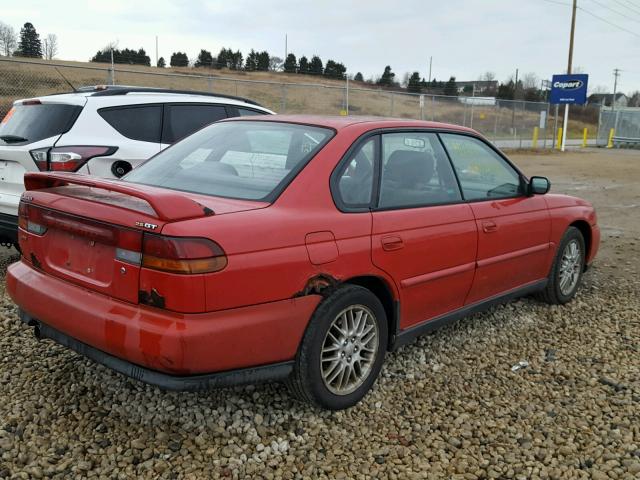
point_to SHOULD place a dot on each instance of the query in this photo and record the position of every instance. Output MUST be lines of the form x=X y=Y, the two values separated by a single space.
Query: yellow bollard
x=559 y=142
x=611 y=133
x=584 y=138
x=536 y=131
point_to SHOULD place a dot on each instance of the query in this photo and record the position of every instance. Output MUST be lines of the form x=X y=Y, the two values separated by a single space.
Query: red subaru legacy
x=290 y=248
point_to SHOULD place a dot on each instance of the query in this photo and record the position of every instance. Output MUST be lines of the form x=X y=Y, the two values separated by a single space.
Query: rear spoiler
x=169 y=206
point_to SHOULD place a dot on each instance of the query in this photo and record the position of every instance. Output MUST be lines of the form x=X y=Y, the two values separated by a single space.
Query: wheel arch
x=381 y=289
x=585 y=229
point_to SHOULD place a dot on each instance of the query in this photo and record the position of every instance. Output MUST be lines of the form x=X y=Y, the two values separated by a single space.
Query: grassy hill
x=283 y=93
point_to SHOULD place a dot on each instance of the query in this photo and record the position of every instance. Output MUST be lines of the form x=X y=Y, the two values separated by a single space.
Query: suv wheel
x=342 y=351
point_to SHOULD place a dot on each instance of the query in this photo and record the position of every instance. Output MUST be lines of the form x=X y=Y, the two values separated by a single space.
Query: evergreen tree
x=387 y=77
x=222 y=60
x=359 y=77
x=414 y=83
x=252 y=61
x=204 y=59
x=29 y=44
x=334 y=70
x=161 y=63
x=179 y=59
x=303 y=65
x=506 y=90
x=290 y=64
x=450 y=88
x=235 y=60
x=315 y=66
x=263 y=61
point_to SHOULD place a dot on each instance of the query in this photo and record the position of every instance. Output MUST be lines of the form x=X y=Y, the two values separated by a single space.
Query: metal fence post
x=433 y=108
x=210 y=83
x=283 y=98
x=392 y=101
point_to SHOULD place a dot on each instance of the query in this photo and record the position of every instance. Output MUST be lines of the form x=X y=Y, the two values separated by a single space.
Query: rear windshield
x=248 y=160
x=30 y=123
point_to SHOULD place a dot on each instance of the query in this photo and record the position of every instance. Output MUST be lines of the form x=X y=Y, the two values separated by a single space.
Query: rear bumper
x=8 y=228
x=265 y=373
x=134 y=338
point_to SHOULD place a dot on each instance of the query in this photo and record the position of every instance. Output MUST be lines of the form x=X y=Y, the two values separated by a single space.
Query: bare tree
x=50 y=46
x=275 y=64
x=530 y=81
x=8 y=39
x=487 y=77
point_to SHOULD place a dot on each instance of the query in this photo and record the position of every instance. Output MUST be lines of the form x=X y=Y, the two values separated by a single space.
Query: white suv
x=104 y=131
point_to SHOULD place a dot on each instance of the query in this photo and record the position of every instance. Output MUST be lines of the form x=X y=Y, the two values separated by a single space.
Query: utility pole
x=616 y=74
x=286 y=47
x=429 y=78
x=565 y=125
x=513 y=104
x=113 y=71
x=156 y=50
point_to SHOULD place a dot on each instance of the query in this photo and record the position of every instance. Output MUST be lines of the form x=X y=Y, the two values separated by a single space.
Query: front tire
x=568 y=267
x=342 y=351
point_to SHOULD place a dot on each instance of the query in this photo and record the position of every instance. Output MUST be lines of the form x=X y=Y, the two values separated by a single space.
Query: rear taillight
x=182 y=254
x=30 y=219
x=68 y=159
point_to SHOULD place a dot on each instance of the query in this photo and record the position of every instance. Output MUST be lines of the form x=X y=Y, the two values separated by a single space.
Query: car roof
x=136 y=95
x=341 y=122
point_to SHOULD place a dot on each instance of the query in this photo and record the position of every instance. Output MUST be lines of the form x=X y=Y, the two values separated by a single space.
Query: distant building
x=478 y=87
x=604 y=99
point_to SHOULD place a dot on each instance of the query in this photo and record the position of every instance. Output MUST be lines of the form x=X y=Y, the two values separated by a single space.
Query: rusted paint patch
x=322 y=284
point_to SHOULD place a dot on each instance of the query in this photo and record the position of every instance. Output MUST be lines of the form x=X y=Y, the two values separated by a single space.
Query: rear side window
x=30 y=123
x=182 y=120
x=140 y=122
x=245 y=112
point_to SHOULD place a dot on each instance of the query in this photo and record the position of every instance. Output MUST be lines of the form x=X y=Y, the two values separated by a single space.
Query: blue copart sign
x=569 y=89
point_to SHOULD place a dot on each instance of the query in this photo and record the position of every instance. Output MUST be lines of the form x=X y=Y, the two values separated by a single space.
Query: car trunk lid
x=90 y=231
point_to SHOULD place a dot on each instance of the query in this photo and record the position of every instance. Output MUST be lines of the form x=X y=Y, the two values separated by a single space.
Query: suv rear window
x=37 y=122
x=247 y=160
x=139 y=122
x=183 y=120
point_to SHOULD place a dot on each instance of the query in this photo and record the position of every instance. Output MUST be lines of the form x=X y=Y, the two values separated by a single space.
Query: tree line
x=27 y=43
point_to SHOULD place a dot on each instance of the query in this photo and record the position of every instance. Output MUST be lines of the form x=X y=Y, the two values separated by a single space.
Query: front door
x=423 y=234
x=513 y=228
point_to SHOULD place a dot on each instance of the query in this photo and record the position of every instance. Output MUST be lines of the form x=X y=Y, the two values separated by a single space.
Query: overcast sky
x=465 y=37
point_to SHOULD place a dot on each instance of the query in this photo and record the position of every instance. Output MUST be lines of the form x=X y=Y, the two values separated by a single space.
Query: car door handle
x=392 y=243
x=489 y=227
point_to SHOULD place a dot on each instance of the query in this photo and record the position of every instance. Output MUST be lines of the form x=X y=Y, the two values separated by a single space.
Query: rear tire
x=342 y=350
x=566 y=273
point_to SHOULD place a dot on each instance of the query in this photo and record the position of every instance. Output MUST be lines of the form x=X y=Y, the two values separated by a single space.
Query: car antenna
x=65 y=79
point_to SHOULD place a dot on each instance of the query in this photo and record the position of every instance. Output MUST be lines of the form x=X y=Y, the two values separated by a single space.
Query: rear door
x=29 y=125
x=423 y=234
x=513 y=229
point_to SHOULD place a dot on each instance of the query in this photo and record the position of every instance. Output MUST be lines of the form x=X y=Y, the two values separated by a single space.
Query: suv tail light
x=182 y=254
x=68 y=159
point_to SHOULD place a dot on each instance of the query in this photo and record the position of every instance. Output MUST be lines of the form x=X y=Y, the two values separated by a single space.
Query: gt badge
x=150 y=226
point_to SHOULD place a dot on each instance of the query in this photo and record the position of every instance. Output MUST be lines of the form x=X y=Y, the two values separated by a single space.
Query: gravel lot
x=447 y=406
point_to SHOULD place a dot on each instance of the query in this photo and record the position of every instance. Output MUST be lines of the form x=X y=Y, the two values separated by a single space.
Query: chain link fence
x=620 y=127
x=512 y=124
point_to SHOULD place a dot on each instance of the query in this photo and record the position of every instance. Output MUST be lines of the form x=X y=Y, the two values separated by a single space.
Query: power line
x=633 y=9
x=596 y=16
x=633 y=4
x=615 y=11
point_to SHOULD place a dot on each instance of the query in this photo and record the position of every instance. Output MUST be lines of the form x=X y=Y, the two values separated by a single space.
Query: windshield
x=30 y=123
x=247 y=160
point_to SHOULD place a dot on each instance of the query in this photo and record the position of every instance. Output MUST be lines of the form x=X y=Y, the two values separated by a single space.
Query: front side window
x=141 y=123
x=242 y=159
x=415 y=172
x=355 y=181
x=483 y=174
x=182 y=120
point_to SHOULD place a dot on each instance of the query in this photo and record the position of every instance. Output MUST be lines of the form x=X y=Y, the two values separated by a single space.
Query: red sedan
x=290 y=248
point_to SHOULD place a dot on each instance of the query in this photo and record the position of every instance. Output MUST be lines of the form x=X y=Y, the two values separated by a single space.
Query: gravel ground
x=447 y=406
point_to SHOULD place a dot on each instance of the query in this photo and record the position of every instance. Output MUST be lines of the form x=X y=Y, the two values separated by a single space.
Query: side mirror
x=539 y=185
